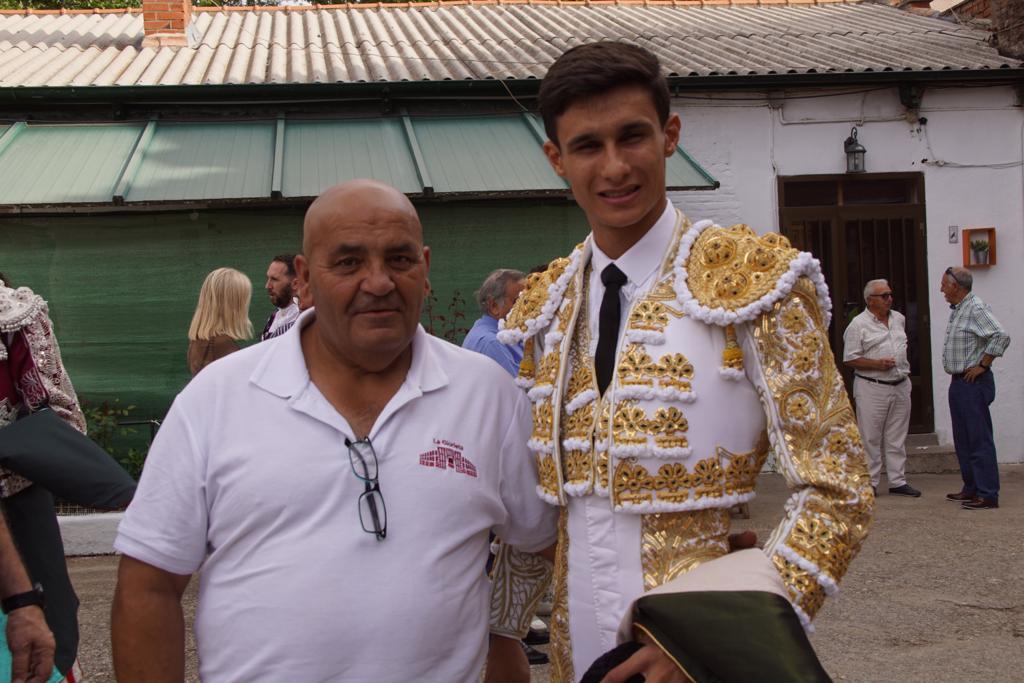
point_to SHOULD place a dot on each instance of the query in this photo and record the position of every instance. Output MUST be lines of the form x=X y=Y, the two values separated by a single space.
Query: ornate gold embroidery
x=741 y=469
x=547 y=475
x=579 y=466
x=543 y=420
x=672 y=484
x=632 y=483
x=676 y=371
x=669 y=427
x=527 y=366
x=561 y=670
x=733 y=267
x=630 y=426
x=817 y=439
x=648 y=315
x=518 y=581
x=534 y=295
x=636 y=367
x=675 y=542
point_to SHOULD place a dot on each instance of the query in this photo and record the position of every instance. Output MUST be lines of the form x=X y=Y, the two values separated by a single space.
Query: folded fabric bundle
x=50 y=453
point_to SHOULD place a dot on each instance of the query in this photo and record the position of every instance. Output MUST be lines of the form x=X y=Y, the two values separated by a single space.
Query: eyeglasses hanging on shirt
x=373 y=515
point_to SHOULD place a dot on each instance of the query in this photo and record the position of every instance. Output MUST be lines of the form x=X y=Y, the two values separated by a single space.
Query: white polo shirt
x=249 y=481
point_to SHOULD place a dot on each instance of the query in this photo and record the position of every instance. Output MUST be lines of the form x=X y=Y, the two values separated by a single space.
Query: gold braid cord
x=818 y=447
x=561 y=644
x=518 y=582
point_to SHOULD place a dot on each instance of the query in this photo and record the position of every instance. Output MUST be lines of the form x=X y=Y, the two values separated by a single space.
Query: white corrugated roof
x=507 y=40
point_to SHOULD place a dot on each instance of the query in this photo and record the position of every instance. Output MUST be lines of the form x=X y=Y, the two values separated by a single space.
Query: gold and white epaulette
x=17 y=308
x=725 y=276
x=539 y=301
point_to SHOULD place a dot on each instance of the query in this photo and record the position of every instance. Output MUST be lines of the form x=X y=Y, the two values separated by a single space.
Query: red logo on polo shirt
x=447 y=455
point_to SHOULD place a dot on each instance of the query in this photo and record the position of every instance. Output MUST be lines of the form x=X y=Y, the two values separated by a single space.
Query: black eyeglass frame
x=952 y=273
x=883 y=295
x=372 y=494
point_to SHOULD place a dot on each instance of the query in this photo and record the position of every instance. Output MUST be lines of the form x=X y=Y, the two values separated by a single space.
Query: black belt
x=889 y=382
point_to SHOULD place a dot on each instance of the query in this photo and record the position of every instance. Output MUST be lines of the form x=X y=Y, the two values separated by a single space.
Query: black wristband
x=26 y=599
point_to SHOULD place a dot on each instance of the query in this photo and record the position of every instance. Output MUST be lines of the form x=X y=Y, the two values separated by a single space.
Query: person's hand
x=32 y=645
x=742 y=541
x=506 y=661
x=972 y=373
x=651 y=663
x=886 y=363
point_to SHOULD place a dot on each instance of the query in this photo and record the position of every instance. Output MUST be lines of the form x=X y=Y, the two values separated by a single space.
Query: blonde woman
x=221 y=318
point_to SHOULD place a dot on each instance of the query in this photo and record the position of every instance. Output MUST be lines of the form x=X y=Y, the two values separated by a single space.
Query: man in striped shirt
x=974 y=338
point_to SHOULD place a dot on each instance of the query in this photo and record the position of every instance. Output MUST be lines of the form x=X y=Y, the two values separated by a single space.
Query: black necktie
x=608 y=325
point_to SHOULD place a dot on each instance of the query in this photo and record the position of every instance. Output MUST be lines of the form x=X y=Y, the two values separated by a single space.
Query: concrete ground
x=935 y=595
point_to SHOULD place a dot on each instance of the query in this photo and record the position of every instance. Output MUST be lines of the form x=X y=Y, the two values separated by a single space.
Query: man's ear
x=673 y=127
x=426 y=262
x=554 y=156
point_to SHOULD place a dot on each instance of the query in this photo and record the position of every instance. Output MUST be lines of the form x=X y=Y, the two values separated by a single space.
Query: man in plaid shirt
x=974 y=338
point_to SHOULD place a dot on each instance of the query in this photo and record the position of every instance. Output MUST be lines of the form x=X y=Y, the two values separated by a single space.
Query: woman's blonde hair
x=223 y=306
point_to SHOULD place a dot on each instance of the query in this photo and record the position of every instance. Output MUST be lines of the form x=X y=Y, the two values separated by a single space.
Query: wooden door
x=862 y=228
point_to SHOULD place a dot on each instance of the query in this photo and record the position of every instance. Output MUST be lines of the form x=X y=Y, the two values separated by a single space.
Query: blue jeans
x=972 y=434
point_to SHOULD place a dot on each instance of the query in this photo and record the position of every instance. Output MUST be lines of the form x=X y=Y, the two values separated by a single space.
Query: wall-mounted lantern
x=854 y=153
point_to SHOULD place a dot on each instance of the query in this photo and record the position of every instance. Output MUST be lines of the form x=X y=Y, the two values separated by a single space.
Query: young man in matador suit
x=665 y=360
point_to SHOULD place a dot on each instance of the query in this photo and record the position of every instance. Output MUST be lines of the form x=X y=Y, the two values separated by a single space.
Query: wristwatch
x=26 y=599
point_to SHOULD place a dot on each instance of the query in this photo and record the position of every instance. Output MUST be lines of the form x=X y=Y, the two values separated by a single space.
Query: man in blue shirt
x=496 y=297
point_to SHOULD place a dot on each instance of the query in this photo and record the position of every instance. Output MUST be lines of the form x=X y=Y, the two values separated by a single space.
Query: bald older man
x=336 y=484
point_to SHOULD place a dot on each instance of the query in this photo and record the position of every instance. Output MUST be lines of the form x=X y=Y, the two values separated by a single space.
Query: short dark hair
x=289 y=262
x=595 y=68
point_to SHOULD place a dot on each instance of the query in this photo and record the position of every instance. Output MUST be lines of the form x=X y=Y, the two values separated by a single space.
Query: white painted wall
x=970 y=151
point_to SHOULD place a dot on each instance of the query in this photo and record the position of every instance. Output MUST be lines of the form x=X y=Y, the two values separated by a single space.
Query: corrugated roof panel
x=318 y=154
x=510 y=40
x=206 y=161
x=65 y=164
x=484 y=154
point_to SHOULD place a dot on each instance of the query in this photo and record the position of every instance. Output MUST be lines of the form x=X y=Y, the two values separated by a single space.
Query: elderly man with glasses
x=875 y=346
x=336 y=484
x=974 y=338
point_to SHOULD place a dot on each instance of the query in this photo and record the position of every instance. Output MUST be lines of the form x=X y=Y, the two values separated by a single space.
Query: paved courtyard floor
x=936 y=595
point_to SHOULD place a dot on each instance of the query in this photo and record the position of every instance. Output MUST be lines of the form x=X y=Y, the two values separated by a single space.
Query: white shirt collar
x=283 y=372
x=642 y=260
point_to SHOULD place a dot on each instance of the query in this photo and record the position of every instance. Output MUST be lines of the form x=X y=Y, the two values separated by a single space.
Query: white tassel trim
x=525 y=382
x=577 y=490
x=824 y=580
x=804 y=264
x=805 y=620
x=551 y=306
x=553 y=338
x=647 y=451
x=18 y=307
x=702 y=503
x=539 y=392
x=547 y=497
x=731 y=374
x=582 y=445
x=584 y=398
x=655 y=392
x=537 y=446
x=645 y=337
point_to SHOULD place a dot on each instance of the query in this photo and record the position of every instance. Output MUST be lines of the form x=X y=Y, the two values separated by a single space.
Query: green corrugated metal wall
x=122 y=289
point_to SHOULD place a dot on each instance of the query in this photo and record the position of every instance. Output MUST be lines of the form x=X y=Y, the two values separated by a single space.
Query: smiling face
x=612 y=150
x=365 y=269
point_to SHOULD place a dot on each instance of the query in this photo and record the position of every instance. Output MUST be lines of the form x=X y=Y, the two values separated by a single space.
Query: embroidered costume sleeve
x=518 y=582
x=776 y=298
x=55 y=381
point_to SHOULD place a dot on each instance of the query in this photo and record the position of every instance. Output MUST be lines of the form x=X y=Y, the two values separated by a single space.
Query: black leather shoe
x=980 y=504
x=534 y=656
x=905 y=490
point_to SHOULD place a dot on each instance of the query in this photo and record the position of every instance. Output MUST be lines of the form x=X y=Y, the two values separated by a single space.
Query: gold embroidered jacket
x=725 y=356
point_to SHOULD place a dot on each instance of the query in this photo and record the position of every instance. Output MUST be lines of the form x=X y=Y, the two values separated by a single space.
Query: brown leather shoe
x=959 y=497
x=980 y=504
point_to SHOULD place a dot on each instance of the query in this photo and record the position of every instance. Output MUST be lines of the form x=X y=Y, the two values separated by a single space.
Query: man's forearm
x=864 y=364
x=147 y=631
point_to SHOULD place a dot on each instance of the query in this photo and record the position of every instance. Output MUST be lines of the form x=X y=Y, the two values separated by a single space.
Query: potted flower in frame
x=979 y=252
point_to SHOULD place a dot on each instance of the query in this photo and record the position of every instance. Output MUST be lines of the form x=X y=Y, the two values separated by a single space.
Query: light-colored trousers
x=883 y=416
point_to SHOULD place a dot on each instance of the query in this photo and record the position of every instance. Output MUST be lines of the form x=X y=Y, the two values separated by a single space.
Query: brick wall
x=165 y=21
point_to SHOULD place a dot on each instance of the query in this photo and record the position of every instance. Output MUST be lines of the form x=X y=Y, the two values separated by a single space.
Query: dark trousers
x=972 y=434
